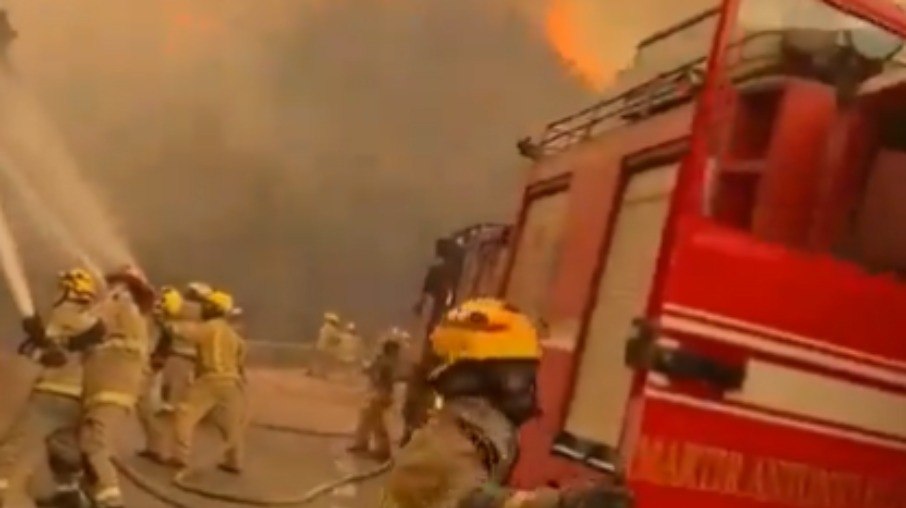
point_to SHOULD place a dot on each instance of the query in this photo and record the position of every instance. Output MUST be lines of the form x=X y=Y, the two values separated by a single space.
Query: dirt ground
x=281 y=466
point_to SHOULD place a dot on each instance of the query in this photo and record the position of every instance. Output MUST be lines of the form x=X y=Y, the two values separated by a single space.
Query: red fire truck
x=719 y=249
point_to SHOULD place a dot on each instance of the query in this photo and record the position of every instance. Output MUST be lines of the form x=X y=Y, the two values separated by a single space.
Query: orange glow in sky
x=562 y=26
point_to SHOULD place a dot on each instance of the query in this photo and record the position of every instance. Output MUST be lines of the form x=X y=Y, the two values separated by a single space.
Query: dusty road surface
x=282 y=466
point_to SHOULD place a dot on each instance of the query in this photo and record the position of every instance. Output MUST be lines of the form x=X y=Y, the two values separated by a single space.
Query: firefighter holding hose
x=489 y=354
x=54 y=409
x=219 y=385
x=115 y=372
x=179 y=366
x=173 y=360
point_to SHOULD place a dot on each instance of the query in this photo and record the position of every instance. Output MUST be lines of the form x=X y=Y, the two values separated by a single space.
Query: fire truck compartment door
x=603 y=382
x=538 y=252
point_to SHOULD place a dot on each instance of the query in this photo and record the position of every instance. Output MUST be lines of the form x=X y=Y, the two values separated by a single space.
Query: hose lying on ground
x=179 y=480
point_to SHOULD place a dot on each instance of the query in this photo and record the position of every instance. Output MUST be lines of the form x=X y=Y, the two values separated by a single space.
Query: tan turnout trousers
x=153 y=426
x=224 y=400
x=178 y=376
x=372 y=426
x=157 y=423
x=218 y=390
x=113 y=382
x=100 y=426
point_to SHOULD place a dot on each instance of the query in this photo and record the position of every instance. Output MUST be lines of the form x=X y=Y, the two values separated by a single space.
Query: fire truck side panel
x=823 y=405
x=853 y=137
x=808 y=299
x=793 y=162
x=709 y=454
x=597 y=174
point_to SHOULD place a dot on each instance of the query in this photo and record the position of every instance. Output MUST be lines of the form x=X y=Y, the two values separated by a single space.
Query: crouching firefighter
x=489 y=355
x=53 y=410
x=219 y=383
x=114 y=376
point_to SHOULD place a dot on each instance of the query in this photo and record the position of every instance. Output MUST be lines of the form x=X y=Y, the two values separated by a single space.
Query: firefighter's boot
x=109 y=503
x=65 y=498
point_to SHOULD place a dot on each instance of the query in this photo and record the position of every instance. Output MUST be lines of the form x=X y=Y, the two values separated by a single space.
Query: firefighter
x=115 y=372
x=219 y=386
x=489 y=354
x=179 y=366
x=404 y=338
x=439 y=287
x=401 y=336
x=398 y=334
x=330 y=336
x=372 y=423
x=175 y=363
x=52 y=412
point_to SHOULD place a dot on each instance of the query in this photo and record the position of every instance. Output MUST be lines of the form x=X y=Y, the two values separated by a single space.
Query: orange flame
x=188 y=23
x=563 y=33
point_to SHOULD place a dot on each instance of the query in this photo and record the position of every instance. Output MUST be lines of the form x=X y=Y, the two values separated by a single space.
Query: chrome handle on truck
x=644 y=351
x=593 y=454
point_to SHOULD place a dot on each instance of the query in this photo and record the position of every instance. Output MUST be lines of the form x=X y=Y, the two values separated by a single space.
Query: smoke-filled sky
x=305 y=153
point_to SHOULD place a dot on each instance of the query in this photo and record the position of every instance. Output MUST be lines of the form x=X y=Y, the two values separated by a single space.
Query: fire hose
x=180 y=480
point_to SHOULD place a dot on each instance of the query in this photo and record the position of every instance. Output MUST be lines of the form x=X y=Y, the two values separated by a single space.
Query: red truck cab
x=719 y=250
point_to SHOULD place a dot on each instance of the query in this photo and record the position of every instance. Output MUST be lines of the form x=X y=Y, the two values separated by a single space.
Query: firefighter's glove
x=47 y=355
x=52 y=357
x=598 y=496
x=33 y=326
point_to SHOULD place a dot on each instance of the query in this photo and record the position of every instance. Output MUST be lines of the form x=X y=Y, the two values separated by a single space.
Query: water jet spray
x=13 y=270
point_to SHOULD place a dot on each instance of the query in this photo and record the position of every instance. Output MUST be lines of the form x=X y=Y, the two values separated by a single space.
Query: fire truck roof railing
x=666 y=88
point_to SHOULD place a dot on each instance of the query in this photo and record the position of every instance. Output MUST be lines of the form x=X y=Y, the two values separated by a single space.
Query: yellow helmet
x=221 y=301
x=484 y=329
x=77 y=282
x=331 y=317
x=170 y=301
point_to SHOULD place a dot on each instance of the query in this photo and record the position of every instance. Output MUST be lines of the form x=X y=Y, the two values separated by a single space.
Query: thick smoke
x=302 y=154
